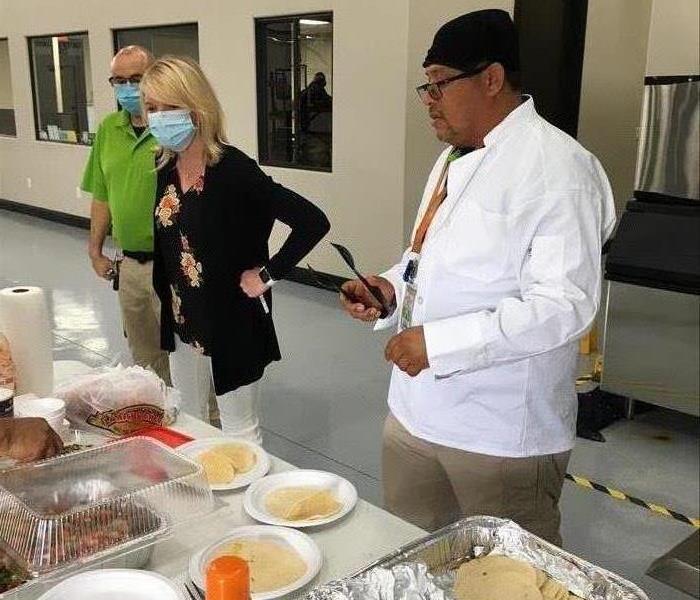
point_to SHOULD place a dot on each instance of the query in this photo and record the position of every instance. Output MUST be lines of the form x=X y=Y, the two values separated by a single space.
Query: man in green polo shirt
x=120 y=176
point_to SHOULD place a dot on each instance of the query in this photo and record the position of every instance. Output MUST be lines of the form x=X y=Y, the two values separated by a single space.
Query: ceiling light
x=313 y=22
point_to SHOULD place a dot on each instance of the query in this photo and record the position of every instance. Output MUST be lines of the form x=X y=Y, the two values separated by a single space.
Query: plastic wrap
x=119 y=399
x=428 y=566
x=72 y=511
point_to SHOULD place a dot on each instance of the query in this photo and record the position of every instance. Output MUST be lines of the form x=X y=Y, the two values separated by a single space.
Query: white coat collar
x=517 y=117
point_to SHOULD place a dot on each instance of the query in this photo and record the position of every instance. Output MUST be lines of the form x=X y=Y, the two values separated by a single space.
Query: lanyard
x=438 y=197
x=436 y=200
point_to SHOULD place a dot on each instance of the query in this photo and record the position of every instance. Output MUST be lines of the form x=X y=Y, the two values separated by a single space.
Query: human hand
x=251 y=284
x=28 y=439
x=102 y=266
x=407 y=351
x=360 y=304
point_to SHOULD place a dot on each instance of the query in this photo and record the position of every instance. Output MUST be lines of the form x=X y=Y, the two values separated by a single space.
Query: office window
x=295 y=91
x=7 y=104
x=62 y=88
x=182 y=40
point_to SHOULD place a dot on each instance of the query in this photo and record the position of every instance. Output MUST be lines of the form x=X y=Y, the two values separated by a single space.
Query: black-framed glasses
x=134 y=80
x=433 y=91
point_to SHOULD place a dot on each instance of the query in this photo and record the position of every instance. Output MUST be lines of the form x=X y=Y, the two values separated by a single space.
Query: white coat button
x=420 y=299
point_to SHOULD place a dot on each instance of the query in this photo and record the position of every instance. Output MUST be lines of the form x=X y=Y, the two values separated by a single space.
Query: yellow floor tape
x=618 y=495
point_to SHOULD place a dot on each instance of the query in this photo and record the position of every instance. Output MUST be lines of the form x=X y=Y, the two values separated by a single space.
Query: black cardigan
x=240 y=206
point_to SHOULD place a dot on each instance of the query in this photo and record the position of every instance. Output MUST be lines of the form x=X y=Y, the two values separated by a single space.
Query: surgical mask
x=173 y=129
x=129 y=97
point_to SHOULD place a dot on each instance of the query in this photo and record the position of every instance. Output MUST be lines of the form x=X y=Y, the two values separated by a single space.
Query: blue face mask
x=128 y=96
x=173 y=129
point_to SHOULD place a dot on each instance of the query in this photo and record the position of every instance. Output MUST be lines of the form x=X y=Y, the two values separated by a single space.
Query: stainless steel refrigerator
x=669 y=146
x=652 y=328
x=652 y=333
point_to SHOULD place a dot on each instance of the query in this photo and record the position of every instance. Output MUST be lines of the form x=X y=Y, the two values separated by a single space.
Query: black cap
x=476 y=38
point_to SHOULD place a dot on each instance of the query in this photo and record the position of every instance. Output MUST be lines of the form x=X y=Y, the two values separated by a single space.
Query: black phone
x=116 y=266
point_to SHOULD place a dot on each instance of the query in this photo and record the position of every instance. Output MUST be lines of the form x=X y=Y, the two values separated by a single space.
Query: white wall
x=383 y=146
x=612 y=87
x=363 y=196
x=5 y=76
x=674 y=46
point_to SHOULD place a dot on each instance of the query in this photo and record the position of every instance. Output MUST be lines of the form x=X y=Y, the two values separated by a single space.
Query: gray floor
x=324 y=403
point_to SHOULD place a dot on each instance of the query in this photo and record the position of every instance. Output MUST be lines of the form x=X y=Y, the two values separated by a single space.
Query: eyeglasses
x=134 y=80
x=433 y=91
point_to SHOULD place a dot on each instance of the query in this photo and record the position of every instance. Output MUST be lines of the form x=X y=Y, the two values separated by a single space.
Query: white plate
x=114 y=584
x=302 y=543
x=193 y=449
x=342 y=489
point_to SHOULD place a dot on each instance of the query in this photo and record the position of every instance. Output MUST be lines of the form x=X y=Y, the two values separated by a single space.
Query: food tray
x=65 y=512
x=29 y=587
x=443 y=552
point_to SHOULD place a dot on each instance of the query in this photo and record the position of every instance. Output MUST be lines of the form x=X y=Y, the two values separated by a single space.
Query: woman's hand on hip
x=251 y=284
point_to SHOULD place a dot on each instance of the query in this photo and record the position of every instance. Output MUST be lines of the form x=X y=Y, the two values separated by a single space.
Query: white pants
x=191 y=373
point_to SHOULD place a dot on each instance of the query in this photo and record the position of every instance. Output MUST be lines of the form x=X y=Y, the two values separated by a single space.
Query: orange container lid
x=228 y=578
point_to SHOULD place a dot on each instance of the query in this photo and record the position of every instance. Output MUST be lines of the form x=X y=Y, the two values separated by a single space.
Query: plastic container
x=71 y=511
x=51 y=409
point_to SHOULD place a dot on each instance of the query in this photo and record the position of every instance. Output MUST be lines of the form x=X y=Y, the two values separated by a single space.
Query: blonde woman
x=214 y=214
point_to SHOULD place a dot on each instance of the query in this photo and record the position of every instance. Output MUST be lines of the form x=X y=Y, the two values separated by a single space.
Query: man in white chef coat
x=501 y=279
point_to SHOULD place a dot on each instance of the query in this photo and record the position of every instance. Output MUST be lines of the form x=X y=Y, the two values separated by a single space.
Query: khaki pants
x=141 y=316
x=433 y=486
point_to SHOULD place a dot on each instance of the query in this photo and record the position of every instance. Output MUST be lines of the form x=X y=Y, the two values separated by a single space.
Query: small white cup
x=53 y=410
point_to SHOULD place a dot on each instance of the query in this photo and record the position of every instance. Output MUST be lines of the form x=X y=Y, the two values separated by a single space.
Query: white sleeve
x=557 y=244
x=395 y=277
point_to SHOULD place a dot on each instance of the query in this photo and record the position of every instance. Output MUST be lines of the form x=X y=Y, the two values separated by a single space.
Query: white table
x=366 y=534
x=363 y=536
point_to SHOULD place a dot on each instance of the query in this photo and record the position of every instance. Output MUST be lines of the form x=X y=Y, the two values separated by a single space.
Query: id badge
x=409 y=299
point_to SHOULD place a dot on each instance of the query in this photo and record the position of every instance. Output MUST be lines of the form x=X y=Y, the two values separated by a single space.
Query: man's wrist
x=94 y=253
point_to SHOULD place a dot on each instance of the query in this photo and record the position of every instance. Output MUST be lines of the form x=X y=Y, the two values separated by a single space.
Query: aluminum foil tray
x=423 y=570
x=72 y=511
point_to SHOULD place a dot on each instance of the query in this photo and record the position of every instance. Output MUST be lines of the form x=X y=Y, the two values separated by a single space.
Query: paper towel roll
x=24 y=319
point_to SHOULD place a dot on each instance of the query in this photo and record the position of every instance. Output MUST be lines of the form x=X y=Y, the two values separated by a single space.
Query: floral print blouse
x=179 y=223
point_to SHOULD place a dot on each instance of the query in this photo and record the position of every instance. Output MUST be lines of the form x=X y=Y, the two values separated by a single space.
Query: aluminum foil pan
x=402 y=582
x=423 y=570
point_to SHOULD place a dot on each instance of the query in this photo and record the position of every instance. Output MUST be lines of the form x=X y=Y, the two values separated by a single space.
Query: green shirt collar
x=124 y=119
x=125 y=123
